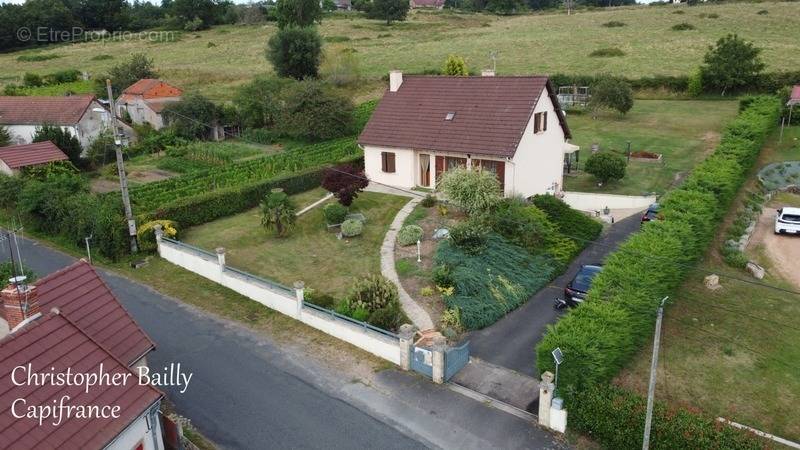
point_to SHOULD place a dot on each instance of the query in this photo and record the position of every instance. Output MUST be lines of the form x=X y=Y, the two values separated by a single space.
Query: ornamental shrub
x=334 y=213
x=352 y=228
x=372 y=292
x=606 y=166
x=571 y=223
x=147 y=236
x=489 y=285
x=278 y=212
x=470 y=236
x=474 y=191
x=428 y=202
x=409 y=235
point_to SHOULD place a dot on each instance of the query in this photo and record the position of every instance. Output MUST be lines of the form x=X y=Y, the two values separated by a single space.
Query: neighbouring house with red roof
x=54 y=343
x=71 y=320
x=15 y=157
x=424 y=126
x=438 y=4
x=145 y=100
x=81 y=115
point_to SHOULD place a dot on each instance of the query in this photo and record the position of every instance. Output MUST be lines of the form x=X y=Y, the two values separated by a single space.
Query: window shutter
x=535 y=123
x=387 y=162
x=544 y=121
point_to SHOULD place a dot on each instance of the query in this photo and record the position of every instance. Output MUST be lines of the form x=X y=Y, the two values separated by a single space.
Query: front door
x=425 y=170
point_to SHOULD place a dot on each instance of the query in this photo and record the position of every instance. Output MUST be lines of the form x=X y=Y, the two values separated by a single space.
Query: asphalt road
x=245 y=392
x=510 y=342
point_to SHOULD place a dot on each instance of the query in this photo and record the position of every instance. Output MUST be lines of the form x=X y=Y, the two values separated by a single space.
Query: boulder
x=712 y=282
x=757 y=271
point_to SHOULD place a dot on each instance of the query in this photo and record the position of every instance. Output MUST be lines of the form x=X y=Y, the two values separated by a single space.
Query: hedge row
x=768 y=82
x=572 y=223
x=212 y=205
x=615 y=417
x=618 y=316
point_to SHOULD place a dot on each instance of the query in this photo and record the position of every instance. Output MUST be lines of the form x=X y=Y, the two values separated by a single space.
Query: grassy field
x=684 y=131
x=540 y=43
x=735 y=352
x=329 y=265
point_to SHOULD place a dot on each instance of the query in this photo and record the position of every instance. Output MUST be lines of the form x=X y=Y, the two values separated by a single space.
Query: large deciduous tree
x=295 y=52
x=613 y=93
x=345 y=182
x=312 y=110
x=732 y=63
x=260 y=102
x=5 y=136
x=63 y=139
x=298 y=13
x=389 y=10
x=194 y=117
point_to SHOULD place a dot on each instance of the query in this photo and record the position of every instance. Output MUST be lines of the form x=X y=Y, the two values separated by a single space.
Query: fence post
x=159 y=234
x=221 y=260
x=545 y=398
x=406 y=335
x=298 y=292
x=439 y=349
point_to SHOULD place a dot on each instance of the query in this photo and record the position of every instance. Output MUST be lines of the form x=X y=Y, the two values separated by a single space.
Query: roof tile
x=38 y=110
x=16 y=156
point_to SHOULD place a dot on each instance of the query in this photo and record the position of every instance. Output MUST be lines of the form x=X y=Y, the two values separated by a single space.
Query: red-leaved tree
x=344 y=182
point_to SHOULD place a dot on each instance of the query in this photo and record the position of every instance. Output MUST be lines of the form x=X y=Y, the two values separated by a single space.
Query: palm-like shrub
x=475 y=191
x=278 y=212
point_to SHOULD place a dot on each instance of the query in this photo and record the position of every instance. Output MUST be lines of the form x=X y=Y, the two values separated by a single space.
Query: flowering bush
x=147 y=235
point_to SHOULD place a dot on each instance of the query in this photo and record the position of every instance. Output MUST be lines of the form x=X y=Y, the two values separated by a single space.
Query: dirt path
x=783 y=251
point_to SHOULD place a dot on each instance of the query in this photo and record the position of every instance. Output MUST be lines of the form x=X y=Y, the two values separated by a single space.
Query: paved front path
x=511 y=341
x=413 y=310
x=249 y=392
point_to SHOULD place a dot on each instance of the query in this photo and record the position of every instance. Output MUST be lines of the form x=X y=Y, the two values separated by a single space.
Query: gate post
x=158 y=229
x=221 y=261
x=406 y=344
x=439 y=349
x=545 y=398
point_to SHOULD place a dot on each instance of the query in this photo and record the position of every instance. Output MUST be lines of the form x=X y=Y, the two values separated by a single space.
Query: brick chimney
x=20 y=302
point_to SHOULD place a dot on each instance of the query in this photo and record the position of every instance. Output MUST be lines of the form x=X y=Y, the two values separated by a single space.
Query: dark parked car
x=576 y=290
x=651 y=213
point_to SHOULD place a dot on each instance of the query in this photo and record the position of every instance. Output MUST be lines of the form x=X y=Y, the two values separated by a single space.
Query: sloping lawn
x=684 y=131
x=311 y=253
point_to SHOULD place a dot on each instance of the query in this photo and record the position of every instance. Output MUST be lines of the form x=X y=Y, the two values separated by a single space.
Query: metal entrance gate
x=422 y=361
x=455 y=359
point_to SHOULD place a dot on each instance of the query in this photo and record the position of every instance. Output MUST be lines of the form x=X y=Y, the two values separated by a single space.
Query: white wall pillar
x=406 y=335
x=439 y=349
x=299 y=292
x=546 y=388
x=159 y=234
x=221 y=260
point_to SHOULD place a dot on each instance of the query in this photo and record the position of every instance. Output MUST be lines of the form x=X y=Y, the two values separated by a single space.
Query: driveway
x=510 y=342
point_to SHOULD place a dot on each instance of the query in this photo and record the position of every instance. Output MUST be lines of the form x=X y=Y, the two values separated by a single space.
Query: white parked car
x=787 y=221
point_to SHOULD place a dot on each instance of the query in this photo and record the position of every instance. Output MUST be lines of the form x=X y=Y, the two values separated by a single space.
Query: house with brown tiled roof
x=145 y=100
x=82 y=115
x=16 y=157
x=118 y=411
x=424 y=126
x=416 y=4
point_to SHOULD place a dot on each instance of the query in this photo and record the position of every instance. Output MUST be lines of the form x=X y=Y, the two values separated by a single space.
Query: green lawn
x=684 y=131
x=734 y=352
x=311 y=253
x=536 y=43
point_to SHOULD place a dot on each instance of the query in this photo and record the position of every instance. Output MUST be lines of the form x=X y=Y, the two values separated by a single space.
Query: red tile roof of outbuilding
x=30 y=110
x=83 y=297
x=16 y=156
x=54 y=341
x=795 y=95
x=491 y=113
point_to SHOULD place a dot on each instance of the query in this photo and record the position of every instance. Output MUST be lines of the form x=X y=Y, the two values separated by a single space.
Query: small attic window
x=450 y=116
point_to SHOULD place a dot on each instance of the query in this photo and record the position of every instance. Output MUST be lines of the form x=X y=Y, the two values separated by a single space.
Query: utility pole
x=651 y=390
x=123 y=178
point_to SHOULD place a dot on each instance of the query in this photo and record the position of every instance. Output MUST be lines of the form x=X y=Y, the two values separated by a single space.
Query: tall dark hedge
x=617 y=319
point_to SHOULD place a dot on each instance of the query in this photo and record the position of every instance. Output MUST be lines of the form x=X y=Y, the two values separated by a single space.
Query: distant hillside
x=218 y=59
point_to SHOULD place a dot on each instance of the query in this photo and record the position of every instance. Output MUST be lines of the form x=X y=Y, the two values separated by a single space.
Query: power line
x=587 y=241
